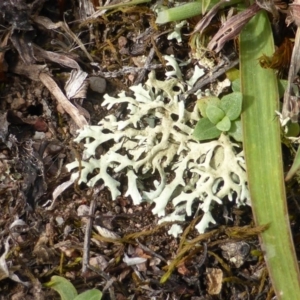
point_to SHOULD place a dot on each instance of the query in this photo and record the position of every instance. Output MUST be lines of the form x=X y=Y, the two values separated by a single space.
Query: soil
x=42 y=237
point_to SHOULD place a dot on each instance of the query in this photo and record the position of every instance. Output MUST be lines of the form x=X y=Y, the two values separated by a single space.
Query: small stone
x=97 y=84
x=18 y=103
x=48 y=135
x=38 y=92
x=139 y=61
x=122 y=41
x=39 y=136
x=83 y=210
x=54 y=148
x=59 y=220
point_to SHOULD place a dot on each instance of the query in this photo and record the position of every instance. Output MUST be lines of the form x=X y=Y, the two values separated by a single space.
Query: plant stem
x=188 y=10
x=178 y=13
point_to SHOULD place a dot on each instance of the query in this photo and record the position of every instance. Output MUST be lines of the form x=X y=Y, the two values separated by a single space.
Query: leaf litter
x=50 y=224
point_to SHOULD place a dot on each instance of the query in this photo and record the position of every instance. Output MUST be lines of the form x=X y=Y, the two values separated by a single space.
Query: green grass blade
x=263 y=157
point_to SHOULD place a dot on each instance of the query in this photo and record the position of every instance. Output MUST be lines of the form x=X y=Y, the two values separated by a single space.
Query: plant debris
x=59 y=61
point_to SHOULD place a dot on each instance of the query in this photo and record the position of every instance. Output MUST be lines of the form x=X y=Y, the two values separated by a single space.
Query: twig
x=146 y=249
x=63 y=100
x=141 y=75
x=109 y=281
x=87 y=238
x=127 y=70
x=203 y=258
x=216 y=72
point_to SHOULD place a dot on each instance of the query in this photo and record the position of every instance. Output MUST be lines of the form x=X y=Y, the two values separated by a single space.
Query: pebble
x=18 y=103
x=97 y=84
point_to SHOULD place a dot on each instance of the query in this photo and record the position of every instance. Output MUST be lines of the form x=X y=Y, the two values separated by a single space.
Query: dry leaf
x=182 y=269
x=214 y=280
x=106 y=233
x=76 y=86
x=232 y=27
x=131 y=261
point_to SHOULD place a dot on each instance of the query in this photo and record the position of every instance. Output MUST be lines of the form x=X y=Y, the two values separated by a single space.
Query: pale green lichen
x=155 y=140
x=176 y=34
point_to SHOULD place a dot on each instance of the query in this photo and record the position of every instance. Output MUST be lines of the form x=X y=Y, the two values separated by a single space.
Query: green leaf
x=63 y=286
x=205 y=130
x=202 y=104
x=89 y=295
x=236 y=85
x=179 y=13
x=224 y=124
x=233 y=74
x=214 y=113
x=293 y=129
x=262 y=148
x=185 y=11
x=205 y=5
x=236 y=130
x=232 y=105
x=282 y=85
x=295 y=167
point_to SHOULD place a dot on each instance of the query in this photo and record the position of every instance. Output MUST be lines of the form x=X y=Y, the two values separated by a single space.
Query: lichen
x=154 y=144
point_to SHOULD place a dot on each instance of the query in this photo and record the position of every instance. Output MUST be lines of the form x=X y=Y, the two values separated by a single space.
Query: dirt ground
x=83 y=235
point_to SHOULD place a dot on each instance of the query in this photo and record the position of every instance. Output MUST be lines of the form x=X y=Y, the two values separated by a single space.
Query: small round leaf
x=89 y=295
x=205 y=130
x=224 y=124
x=202 y=104
x=214 y=113
x=236 y=85
x=233 y=74
x=63 y=286
x=232 y=105
x=236 y=130
x=293 y=129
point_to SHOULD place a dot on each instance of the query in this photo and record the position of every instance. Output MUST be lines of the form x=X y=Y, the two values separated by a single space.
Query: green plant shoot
x=219 y=116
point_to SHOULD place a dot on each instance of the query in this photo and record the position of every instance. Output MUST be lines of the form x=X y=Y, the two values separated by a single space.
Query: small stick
x=142 y=73
x=215 y=73
x=148 y=250
x=87 y=237
x=63 y=100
